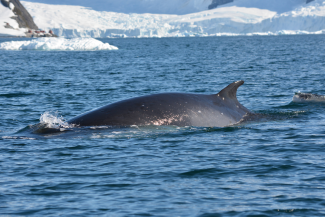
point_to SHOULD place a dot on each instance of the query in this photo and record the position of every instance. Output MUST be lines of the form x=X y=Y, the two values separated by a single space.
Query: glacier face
x=178 y=7
x=229 y=19
x=138 y=6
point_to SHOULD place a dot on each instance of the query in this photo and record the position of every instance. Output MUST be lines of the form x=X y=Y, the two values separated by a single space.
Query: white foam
x=17 y=137
x=52 y=120
x=75 y=44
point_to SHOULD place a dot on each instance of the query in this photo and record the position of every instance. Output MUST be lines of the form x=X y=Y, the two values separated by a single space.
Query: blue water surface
x=273 y=166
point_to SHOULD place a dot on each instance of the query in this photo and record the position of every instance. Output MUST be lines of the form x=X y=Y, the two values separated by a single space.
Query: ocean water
x=272 y=166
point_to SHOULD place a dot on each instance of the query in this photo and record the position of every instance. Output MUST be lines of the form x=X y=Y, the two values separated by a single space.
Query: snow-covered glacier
x=178 y=7
x=240 y=17
x=138 y=6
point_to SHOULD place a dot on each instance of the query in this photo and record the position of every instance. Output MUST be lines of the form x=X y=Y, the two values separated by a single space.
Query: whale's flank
x=179 y=109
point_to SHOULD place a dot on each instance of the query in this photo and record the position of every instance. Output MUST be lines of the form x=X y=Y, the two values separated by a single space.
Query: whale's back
x=180 y=109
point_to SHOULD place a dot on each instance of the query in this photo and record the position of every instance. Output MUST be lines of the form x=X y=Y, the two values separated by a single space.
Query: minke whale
x=179 y=109
x=308 y=97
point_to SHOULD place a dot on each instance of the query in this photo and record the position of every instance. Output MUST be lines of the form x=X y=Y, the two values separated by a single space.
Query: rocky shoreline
x=39 y=33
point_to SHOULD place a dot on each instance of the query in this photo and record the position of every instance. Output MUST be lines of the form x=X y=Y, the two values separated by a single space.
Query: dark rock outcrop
x=23 y=18
x=216 y=3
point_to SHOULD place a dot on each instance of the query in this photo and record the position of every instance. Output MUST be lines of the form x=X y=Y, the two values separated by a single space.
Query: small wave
x=308 y=97
x=58 y=44
x=18 y=137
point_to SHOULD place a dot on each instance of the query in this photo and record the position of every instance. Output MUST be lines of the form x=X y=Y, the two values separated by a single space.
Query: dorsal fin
x=231 y=90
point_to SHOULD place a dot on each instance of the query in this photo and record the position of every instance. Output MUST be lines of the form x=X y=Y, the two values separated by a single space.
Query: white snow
x=242 y=17
x=137 y=6
x=279 y=6
x=5 y=17
x=48 y=44
x=239 y=18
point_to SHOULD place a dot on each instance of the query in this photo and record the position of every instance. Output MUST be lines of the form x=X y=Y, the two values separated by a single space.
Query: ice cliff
x=168 y=18
x=240 y=17
x=178 y=7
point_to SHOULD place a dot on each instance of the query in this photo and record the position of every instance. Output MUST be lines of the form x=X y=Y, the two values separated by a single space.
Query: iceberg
x=58 y=44
x=238 y=18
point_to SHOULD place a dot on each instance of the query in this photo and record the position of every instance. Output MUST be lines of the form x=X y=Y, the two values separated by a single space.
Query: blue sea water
x=273 y=166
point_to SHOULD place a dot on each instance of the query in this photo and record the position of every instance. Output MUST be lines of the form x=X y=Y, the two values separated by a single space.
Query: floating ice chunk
x=75 y=44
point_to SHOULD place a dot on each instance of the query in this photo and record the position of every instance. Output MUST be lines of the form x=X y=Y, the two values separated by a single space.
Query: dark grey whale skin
x=179 y=109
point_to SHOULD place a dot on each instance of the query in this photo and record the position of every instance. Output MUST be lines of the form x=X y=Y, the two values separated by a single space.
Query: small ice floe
x=308 y=97
x=58 y=44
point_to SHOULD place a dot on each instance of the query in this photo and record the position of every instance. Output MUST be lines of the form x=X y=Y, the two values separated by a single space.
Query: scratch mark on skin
x=168 y=121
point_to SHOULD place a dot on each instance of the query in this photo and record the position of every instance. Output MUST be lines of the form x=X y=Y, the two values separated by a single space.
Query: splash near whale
x=179 y=109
